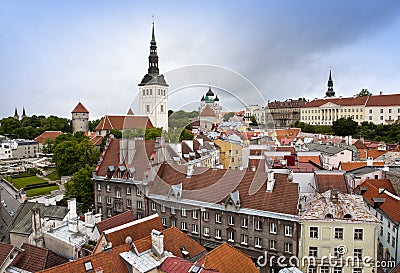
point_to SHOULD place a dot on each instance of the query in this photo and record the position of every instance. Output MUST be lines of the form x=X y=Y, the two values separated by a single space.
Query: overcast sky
x=56 y=53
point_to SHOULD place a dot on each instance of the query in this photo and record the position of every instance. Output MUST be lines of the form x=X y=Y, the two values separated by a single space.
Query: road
x=8 y=194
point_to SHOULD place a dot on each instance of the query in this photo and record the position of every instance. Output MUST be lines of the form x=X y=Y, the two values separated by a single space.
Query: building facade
x=153 y=91
x=285 y=113
x=337 y=230
x=230 y=154
x=212 y=100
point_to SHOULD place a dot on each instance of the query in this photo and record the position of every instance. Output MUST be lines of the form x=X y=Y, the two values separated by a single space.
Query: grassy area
x=40 y=191
x=24 y=181
x=53 y=176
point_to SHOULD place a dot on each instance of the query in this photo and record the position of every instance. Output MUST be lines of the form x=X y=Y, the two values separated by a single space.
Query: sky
x=54 y=54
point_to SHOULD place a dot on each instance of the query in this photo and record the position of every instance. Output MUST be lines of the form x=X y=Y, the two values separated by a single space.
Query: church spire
x=16 y=116
x=330 y=92
x=153 y=57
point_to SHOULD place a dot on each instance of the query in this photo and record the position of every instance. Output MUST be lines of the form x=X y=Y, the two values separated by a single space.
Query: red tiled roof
x=96 y=140
x=174 y=239
x=179 y=265
x=79 y=108
x=46 y=135
x=381 y=184
x=137 y=230
x=337 y=101
x=285 y=149
x=352 y=165
x=108 y=261
x=35 y=258
x=391 y=205
x=333 y=180
x=5 y=251
x=384 y=100
x=316 y=159
x=209 y=185
x=115 y=221
x=207 y=112
x=360 y=144
x=123 y=122
x=227 y=259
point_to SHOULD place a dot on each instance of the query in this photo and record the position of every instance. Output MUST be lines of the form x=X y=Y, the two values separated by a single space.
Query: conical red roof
x=80 y=109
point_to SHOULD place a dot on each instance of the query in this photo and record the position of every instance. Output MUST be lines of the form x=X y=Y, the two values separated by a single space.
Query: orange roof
x=115 y=221
x=108 y=261
x=47 y=135
x=381 y=183
x=123 y=122
x=96 y=140
x=391 y=204
x=136 y=230
x=227 y=259
x=332 y=180
x=79 y=108
x=174 y=239
x=352 y=165
x=316 y=159
x=207 y=112
x=337 y=101
x=384 y=100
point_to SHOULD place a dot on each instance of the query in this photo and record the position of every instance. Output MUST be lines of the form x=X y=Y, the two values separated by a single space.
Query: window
x=164 y=221
x=358 y=234
x=388 y=237
x=98 y=186
x=313 y=251
x=88 y=266
x=183 y=212
x=245 y=221
x=393 y=241
x=138 y=192
x=194 y=214
x=244 y=239
x=162 y=108
x=153 y=206
x=173 y=223
x=231 y=220
x=139 y=204
x=173 y=210
x=258 y=225
x=272 y=227
x=324 y=269
x=139 y=215
x=162 y=208
x=339 y=233
x=358 y=253
x=217 y=218
x=195 y=229
x=108 y=200
x=272 y=244
x=337 y=253
x=381 y=111
x=312 y=269
x=217 y=234
x=390 y=111
x=129 y=203
x=147 y=108
x=206 y=231
x=108 y=188
x=118 y=193
x=206 y=215
x=288 y=247
x=337 y=270
x=258 y=242
x=381 y=230
x=99 y=210
x=370 y=117
x=99 y=199
x=357 y=270
x=108 y=212
x=128 y=190
x=289 y=231
x=231 y=236
x=314 y=232
x=381 y=118
x=183 y=226
x=388 y=224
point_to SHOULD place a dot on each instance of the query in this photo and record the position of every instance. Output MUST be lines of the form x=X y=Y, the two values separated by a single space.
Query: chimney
x=37 y=229
x=334 y=196
x=157 y=243
x=189 y=171
x=72 y=216
x=127 y=149
x=369 y=161
x=362 y=139
x=380 y=93
x=270 y=181
x=253 y=168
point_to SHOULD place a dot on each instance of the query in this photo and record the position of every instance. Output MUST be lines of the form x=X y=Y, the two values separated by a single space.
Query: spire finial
x=153 y=36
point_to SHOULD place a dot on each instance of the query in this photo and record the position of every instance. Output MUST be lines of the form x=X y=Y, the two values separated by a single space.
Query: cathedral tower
x=330 y=93
x=153 y=91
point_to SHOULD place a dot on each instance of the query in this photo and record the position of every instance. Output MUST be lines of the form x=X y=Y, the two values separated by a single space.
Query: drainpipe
x=397 y=243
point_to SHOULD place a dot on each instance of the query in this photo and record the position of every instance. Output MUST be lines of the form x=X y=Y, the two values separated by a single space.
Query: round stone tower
x=80 y=119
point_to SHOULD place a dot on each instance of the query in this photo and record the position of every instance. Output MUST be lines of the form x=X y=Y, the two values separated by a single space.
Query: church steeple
x=153 y=57
x=23 y=112
x=330 y=92
x=16 y=116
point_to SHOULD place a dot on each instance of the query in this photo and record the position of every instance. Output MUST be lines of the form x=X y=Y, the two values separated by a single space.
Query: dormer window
x=88 y=266
x=347 y=216
x=329 y=215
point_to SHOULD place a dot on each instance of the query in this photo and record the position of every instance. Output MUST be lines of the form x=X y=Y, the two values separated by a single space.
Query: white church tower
x=154 y=91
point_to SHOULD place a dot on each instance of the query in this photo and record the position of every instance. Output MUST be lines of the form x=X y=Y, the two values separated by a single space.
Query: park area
x=33 y=185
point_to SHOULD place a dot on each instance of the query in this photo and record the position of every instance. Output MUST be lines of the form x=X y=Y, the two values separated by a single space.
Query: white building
x=153 y=91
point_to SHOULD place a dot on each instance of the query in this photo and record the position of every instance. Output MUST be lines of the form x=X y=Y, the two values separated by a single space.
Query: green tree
x=345 y=127
x=93 y=124
x=364 y=92
x=153 y=133
x=71 y=153
x=81 y=187
x=227 y=116
x=253 y=121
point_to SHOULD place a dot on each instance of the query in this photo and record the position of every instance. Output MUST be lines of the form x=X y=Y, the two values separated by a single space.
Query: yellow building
x=338 y=235
x=230 y=154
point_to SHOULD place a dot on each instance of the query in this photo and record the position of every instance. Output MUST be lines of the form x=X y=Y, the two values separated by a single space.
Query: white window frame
x=218 y=218
x=289 y=231
x=273 y=228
